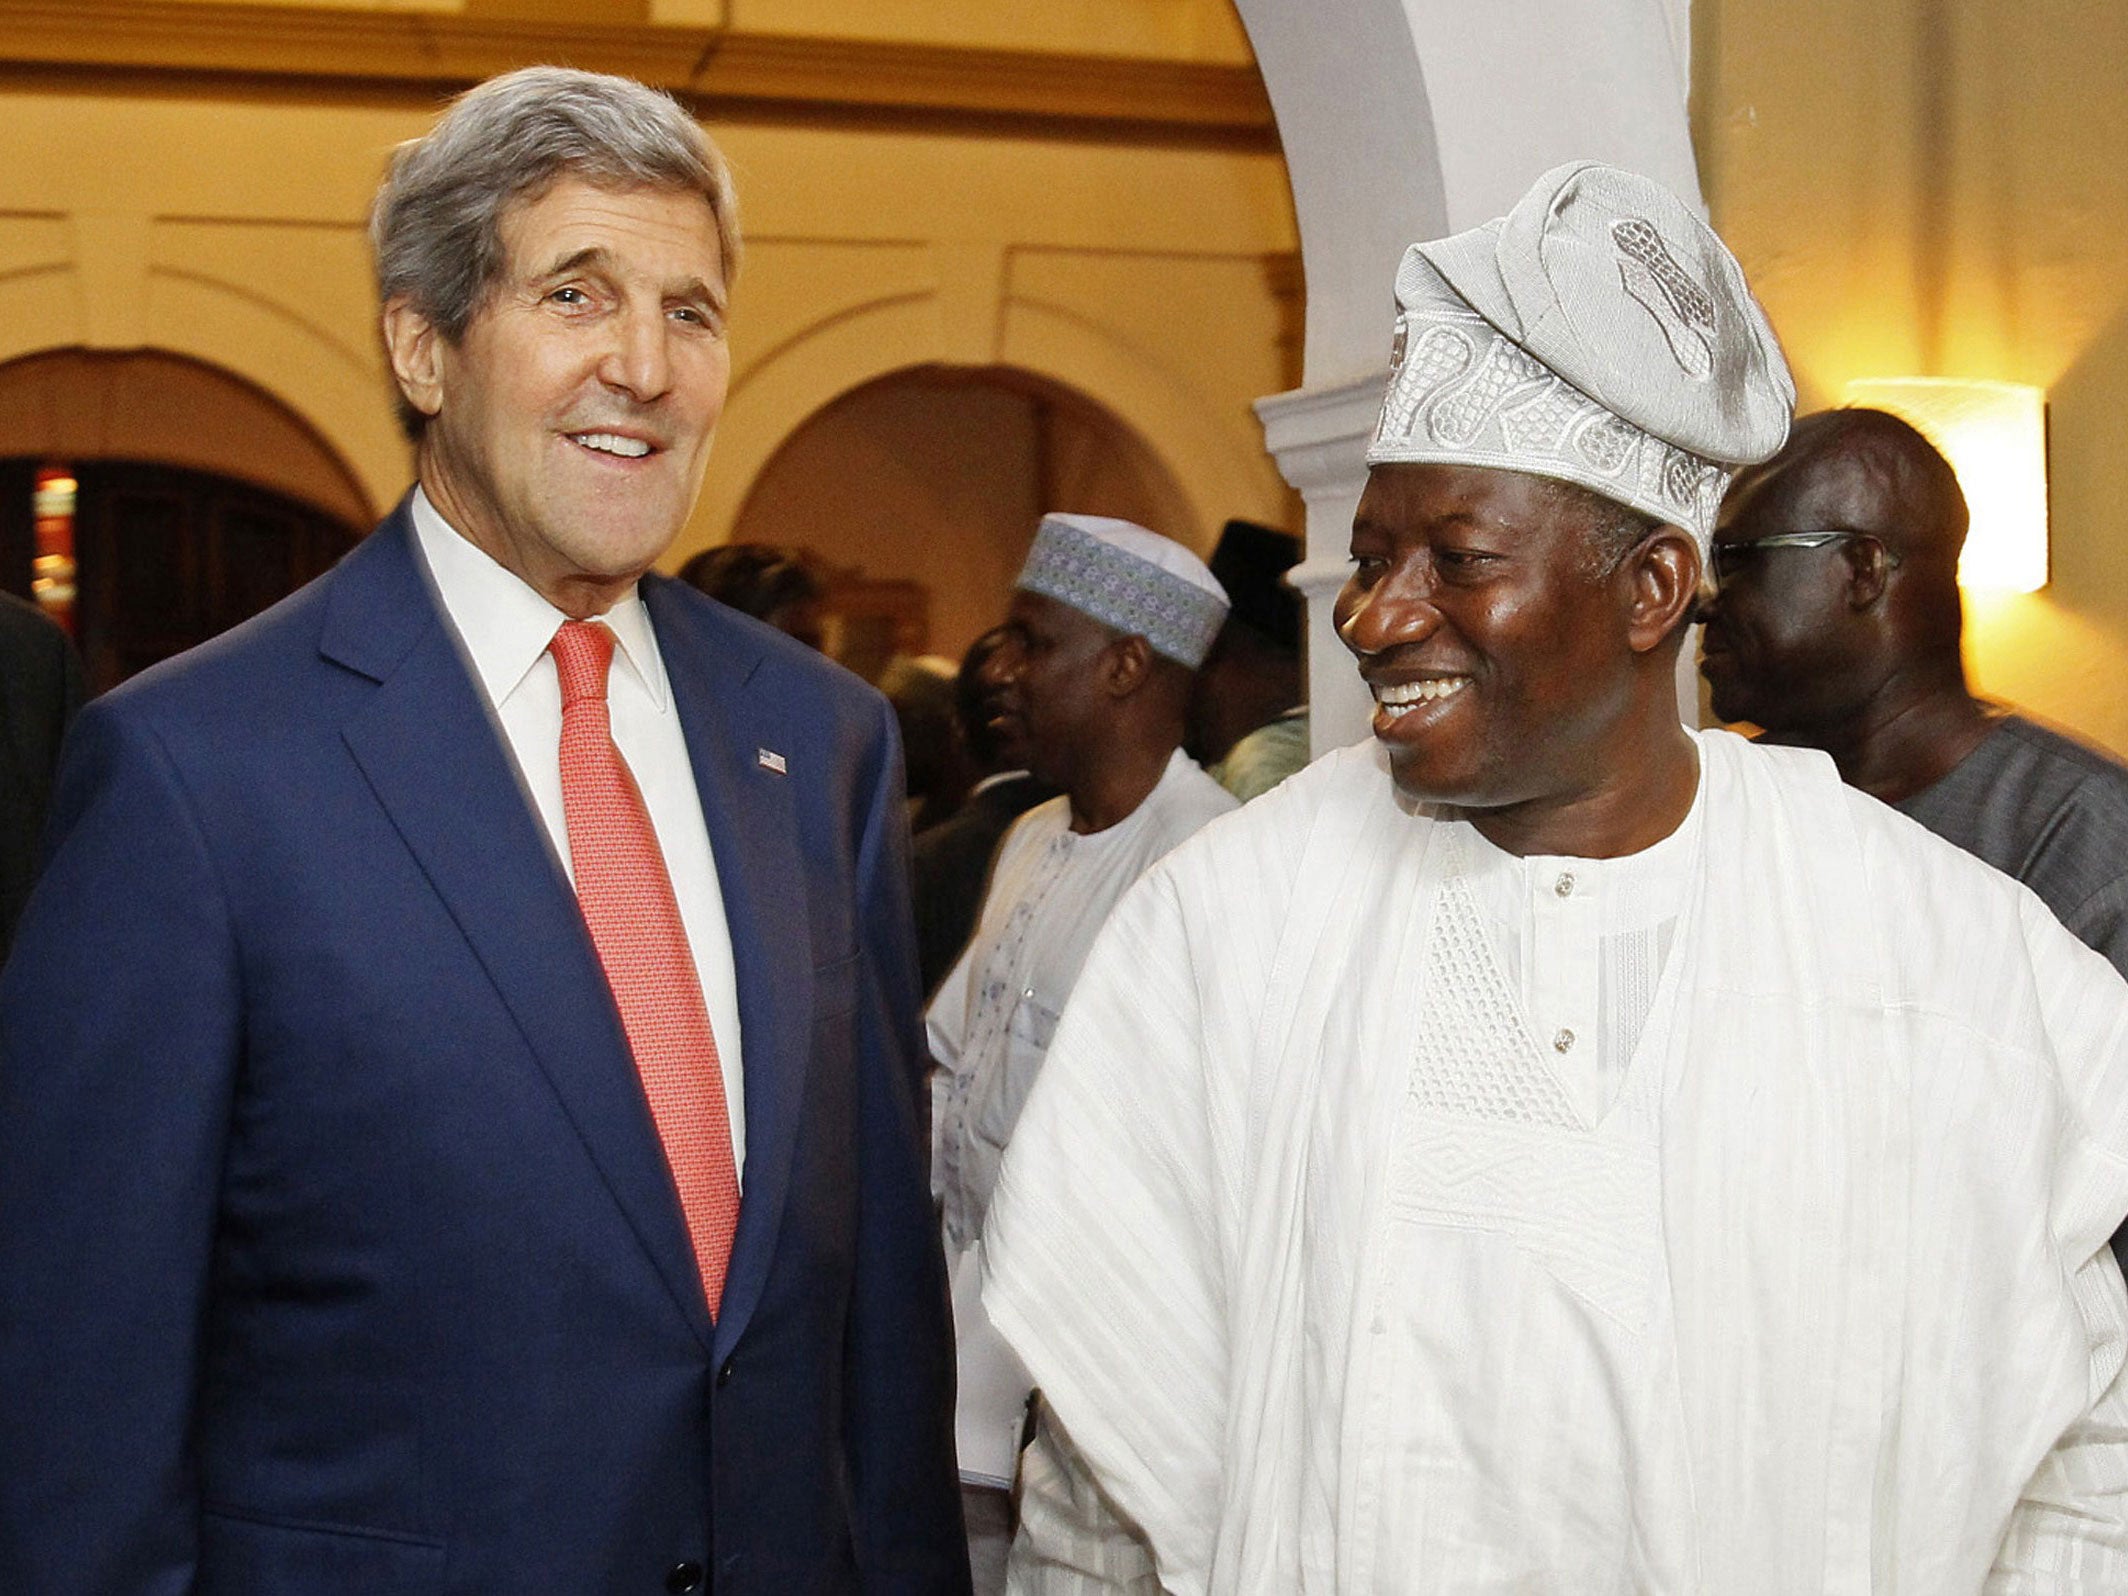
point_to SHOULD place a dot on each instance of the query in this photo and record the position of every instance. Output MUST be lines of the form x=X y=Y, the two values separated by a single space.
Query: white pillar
x=1409 y=119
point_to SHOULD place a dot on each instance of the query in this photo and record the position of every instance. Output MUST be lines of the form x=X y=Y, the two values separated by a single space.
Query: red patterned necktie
x=634 y=919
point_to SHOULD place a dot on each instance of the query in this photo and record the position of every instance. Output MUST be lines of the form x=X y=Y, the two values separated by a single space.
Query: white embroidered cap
x=1126 y=577
x=1599 y=333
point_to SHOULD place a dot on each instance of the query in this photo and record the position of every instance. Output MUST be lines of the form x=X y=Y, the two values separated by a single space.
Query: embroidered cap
x=1599 y=333
x=1129 y=578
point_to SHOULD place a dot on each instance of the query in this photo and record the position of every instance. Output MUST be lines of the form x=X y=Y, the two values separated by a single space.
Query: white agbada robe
x=1343 y=1288
x=989 y=1027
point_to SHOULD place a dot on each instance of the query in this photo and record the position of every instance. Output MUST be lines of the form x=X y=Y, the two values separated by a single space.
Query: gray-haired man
x=457 y=1076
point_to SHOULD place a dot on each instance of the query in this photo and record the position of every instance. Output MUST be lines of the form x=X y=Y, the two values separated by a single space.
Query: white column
x=1409 y=119
x=1319 y=437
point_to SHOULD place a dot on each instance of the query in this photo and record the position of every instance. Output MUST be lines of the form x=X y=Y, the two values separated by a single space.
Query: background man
x=1249 y=719
x=1836 y=625
x=377 y=1212
x=1107 y=626
x=1548 y=1149
x=950 y=862
x=40 y=691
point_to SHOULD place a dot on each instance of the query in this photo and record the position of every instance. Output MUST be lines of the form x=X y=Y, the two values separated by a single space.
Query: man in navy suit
x=457 y=1101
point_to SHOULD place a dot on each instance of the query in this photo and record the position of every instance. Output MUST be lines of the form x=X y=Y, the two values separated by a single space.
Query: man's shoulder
x=1246 y=845
x=758 y=653
x=2088 y=774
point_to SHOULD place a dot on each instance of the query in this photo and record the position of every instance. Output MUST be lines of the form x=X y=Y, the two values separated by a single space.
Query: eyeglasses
x=1731 y=559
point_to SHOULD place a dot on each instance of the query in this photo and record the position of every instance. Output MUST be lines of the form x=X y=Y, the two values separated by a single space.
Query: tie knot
x=582 y=652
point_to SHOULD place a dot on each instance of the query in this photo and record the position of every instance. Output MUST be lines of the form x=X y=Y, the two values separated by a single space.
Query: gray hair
x=436 y=227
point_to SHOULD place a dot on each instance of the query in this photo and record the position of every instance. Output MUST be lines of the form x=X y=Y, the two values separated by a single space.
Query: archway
x=152 y=501
x=919 y=492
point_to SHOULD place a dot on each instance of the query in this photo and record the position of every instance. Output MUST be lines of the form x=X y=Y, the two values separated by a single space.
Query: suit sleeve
x=898 y=1422
x=119 y=1041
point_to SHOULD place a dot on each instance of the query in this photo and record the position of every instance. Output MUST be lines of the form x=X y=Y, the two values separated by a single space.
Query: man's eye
x=1461 y=562
x=570 y=296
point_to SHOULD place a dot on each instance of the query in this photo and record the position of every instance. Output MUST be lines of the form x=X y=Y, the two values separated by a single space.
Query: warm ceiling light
x=1995 y=436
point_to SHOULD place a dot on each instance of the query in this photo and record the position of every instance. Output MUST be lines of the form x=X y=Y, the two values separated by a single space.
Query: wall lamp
x=1995 y=436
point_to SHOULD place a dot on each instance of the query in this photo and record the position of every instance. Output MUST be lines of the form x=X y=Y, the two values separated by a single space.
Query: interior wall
x=940 y=478
x=222 y=219
x=1936 y=188
x=73 y=405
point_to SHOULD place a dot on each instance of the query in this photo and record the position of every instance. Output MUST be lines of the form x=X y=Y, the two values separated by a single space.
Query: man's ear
x=1125 y=665
x=1868 y=572
x=1665 y=576
x=414 y=345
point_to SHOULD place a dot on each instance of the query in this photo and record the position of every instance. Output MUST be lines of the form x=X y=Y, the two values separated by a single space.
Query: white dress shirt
x=506 y=627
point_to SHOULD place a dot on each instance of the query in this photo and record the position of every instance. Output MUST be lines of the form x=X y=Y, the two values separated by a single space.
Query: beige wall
x=940 y=479
x=1940 y=188
x=219 y=216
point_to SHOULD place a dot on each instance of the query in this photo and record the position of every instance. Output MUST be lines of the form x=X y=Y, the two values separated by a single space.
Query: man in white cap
x=1549 y=1149
x=1107 y=627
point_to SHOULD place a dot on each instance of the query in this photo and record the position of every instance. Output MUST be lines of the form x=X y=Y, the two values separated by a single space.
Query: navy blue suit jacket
x=338 y=1253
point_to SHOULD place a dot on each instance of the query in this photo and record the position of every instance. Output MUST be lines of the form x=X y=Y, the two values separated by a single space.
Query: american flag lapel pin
x=768 y=759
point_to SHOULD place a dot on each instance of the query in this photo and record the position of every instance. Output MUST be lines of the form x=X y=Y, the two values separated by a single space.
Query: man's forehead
x=574 y=222
x=1802 y=488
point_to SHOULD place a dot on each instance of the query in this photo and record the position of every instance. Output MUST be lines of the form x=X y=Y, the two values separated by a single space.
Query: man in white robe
x=1548 y=1150
x=1107 y=627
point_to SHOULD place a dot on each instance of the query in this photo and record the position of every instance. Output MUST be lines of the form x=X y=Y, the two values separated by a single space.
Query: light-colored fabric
x=989 y=1026
x=1129 y=578
x=1265 y=757
x=1071 y=1540
x=1580 y=945
x=1819 y=1305
x=991 y=1021
x=634 y=920
x=1599 y=333
x=504 y=627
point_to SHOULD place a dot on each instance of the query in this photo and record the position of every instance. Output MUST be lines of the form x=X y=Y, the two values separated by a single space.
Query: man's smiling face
x=569 y=427
x=1497 y=657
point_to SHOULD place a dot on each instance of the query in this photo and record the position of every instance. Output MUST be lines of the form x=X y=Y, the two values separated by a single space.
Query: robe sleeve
x=1103 y=1249
x=2070 y=1529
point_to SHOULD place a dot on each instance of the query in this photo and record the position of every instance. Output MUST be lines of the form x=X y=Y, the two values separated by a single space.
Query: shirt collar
x=1662 y=867
x=506 y=626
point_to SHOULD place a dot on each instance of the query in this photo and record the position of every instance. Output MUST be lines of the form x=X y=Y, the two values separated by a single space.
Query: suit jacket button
x=683 y=1577
x=724 y=1375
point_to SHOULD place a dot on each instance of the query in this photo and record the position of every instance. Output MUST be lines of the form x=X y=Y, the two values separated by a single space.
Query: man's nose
x=638 y=361
x=1397 y=609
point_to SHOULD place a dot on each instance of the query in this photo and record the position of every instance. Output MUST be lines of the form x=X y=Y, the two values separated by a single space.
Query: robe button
x=1564 y=886
x=724 y=1375
x=683 y=1577
x=1563 y=1042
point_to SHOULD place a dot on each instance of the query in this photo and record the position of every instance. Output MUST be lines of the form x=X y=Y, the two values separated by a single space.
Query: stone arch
x=918 y=491
x=339 y=393
x=776 y=393
x=150 y=405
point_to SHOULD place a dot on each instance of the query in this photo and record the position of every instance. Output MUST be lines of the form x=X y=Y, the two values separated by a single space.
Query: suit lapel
x=729 y=720
x=438 y=765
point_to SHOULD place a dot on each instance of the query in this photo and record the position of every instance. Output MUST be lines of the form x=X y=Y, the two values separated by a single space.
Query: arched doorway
x=919 y=493
x=190 y=500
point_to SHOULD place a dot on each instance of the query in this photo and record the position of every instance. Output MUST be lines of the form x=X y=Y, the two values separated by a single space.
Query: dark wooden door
x=169 y=558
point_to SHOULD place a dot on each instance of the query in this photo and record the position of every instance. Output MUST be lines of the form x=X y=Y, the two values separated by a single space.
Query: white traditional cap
x=1599 y=333
x=1129 y=578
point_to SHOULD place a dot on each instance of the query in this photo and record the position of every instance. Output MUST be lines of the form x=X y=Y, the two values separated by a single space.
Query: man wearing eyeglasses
x=1836 y=626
